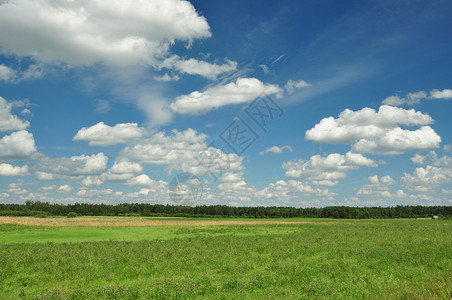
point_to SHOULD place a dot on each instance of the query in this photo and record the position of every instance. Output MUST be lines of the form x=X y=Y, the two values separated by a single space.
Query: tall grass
x=359 y=259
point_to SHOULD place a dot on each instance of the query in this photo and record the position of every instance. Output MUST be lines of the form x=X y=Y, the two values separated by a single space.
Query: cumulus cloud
x=379 y=187
x=97 y=180
x=354 y=125
x=394 y=101
x=7 y=74
x=197 y=67
x=8 y=121
x=427 y=177
x=398 y=141
x=47 y=168
x=432 y=158
x=234 y=187
x=104 y=135
x=410 y=99
x=437 y=171
x=12 y=76
x=384 y=180
x=64 y=188
x=124 y=166
x=415 y=98
x=85 y=32
x=292 y=189
x=291 y=85
x=16 y=188
x=370 y=131
x=17 y=145
x=243 y=90
x=162 y=149
x=277 y=150
x=444 y=94
x=121 y=171
x=146 y=181
x=183 y=150
x=331 y=167
x=9 y=170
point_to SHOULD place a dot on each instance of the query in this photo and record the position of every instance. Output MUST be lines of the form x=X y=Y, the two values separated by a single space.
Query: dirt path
x=124 y=221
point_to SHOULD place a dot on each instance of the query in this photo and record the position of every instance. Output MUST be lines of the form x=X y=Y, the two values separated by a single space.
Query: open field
x=177 y=258
x=145 y=221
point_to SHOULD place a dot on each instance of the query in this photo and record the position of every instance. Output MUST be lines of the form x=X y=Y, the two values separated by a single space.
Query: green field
x=336 y=259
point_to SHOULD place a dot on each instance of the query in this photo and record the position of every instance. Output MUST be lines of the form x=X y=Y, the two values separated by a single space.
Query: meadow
x=183 y=258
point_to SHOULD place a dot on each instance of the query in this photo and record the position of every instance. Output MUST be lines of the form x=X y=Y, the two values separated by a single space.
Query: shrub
x=41 y=214
x=72 y=214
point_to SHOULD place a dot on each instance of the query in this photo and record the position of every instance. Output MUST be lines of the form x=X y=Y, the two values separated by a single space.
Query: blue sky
x=107 y=101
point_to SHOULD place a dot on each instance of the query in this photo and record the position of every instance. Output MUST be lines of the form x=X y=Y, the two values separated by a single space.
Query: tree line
x=33 y=208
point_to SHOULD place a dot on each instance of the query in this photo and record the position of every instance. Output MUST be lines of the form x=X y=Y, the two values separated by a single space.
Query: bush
x=72 y=214
x=15 y=213
x=41 y=214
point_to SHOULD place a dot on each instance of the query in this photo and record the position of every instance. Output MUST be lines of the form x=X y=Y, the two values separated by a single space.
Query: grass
x=336 y=259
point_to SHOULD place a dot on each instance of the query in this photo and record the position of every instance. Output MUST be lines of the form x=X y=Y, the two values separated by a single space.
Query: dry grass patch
x=124 y=221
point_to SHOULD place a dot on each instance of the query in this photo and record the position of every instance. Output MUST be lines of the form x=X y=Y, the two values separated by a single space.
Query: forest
x=43 y=209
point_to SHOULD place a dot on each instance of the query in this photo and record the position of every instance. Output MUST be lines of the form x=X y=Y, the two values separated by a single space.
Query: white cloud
x=85 y=192
x=8 y=121
x=124 y=166
x=121 y=171
x=379 y=187
x=104 y=135
x=236 y=188
x=265 y=69
x=97 y=180
x=410 y=99
x=34 y=71
x=16 y=189
x=292 y=189
x=377 y=132
x=398 y=141
x=116 y=32
x=9 y=170
x=437 y=171
x=7 y=74
x=354 y=125
x=183 y=150
x=432 y=158
x=155 y=107
x=325 y=182
x=12 y=76
x=444 y=94
x=70 y=168
x=232 y=177
x=48 y=187
x=331 y=167
x=64 y=188
x=384 y=180
x=163 y=150
x=291 y=85
x=17 y=145
x=243 y=90
x=394 y=101
x=197 y=67
x=415 y=98
x=146 y=181
x=166 y=77
x=277 y=150
x=418 y=159
x=427 y=178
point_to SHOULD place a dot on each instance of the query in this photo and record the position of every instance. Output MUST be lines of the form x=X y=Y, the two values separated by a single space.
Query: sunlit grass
x=409 y=259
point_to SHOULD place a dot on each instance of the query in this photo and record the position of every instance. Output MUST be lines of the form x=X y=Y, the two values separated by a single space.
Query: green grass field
x=336 y=259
